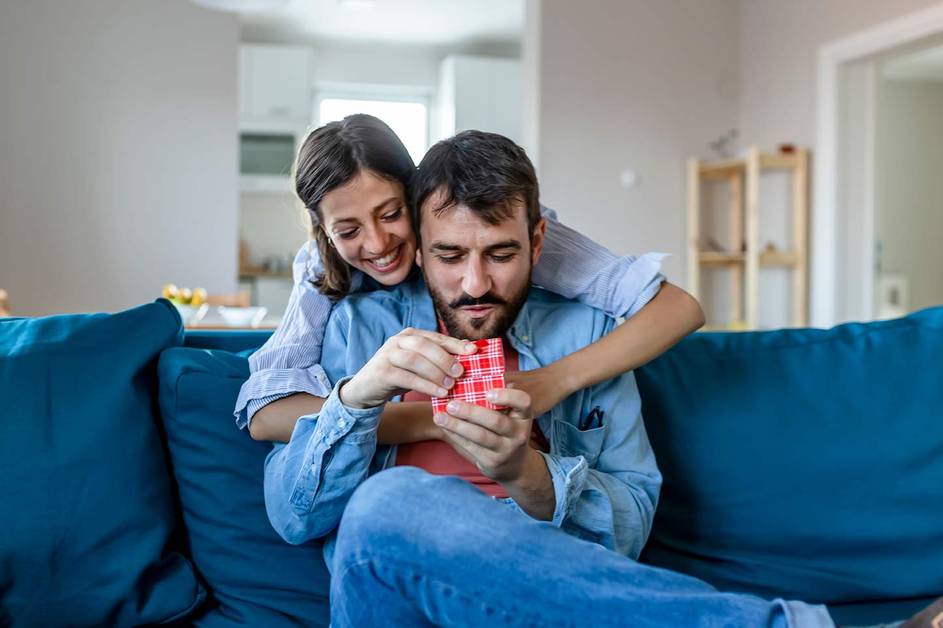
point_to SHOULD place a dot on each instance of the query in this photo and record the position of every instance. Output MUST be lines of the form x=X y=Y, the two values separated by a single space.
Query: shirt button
x=525 y=338
x=341 y=423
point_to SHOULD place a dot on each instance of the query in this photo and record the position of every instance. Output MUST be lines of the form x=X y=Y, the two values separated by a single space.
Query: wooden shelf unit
x=743 y=177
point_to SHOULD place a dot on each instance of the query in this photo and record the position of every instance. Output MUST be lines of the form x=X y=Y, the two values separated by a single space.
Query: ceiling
x=414 y=22
x=923 y=65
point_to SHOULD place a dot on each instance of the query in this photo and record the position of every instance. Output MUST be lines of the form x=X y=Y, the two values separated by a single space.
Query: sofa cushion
x=86 y=495
x=256 y=579
x=804 y=463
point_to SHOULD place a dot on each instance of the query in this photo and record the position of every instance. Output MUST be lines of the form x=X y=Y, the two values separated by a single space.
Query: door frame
x=826 y=235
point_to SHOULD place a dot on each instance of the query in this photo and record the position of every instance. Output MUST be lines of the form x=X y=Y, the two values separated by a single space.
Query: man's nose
x=476 y=281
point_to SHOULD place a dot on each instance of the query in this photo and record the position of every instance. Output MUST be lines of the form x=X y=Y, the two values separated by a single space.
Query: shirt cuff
x=337 y=421
x=644 y=271
x=268 y=385
x=568 y=475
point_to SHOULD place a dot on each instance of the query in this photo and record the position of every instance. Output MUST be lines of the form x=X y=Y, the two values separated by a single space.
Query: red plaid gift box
x=484 y=370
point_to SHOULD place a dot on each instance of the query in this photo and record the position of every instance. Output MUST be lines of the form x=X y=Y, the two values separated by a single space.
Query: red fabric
x=440 y=458
x=484 y=370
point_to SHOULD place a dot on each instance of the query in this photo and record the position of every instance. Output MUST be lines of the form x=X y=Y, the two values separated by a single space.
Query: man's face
x=478 y=274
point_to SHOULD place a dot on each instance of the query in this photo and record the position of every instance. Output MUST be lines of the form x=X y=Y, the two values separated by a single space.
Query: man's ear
x=537 y=240
x=418 y=256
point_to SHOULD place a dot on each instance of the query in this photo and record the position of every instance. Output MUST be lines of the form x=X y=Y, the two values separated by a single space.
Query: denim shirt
x=570 y=264
x=605 y=480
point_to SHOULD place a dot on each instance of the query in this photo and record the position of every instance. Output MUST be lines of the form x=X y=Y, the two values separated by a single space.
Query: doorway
x=878 y=222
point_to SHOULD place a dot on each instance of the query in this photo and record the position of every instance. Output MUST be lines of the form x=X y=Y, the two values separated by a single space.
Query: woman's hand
x=545 y=386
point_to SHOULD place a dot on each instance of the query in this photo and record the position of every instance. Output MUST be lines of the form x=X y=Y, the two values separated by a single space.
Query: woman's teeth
x=386 y=260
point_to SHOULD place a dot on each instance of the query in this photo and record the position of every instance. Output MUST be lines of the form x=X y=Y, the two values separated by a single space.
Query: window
x=409 y=119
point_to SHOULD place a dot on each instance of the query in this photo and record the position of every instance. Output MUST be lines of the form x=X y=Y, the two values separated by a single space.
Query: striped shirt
x=570 y=265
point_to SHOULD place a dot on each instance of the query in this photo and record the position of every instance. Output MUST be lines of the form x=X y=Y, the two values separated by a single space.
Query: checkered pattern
x=484 y=370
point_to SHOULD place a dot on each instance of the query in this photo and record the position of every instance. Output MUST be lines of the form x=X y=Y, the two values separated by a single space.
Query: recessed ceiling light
x=241 y=6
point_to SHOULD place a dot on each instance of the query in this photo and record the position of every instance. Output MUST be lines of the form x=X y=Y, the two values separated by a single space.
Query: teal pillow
x=86 y=497
x=255 y=578
x=806 y=464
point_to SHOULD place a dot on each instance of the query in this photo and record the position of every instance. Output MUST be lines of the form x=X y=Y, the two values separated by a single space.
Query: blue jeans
x=414 y=549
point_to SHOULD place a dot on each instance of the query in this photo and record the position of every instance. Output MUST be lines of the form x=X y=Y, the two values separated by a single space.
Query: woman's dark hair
x=329 y=158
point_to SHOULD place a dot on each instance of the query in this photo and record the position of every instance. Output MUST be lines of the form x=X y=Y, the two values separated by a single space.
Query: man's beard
x=493 y=326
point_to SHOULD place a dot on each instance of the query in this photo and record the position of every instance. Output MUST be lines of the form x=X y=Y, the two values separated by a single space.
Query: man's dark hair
x=486 y=172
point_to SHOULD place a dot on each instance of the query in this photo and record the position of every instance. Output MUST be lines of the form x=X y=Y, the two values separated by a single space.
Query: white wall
x=119 y=163
x=779 y=47
x=631 y=84
x=909 y=186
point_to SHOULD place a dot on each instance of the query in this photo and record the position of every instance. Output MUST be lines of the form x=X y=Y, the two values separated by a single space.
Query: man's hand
x=498 y=444
x=413 y=359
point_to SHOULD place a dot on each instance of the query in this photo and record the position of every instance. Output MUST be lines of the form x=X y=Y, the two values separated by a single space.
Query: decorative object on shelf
x=190 y=303
x=744 y=258
x=723 y=145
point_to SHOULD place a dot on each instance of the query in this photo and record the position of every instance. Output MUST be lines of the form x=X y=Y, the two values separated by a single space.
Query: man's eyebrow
x=444 y=246
x=506 y=244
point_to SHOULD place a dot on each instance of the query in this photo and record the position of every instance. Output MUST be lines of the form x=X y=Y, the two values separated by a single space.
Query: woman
x=353 y=177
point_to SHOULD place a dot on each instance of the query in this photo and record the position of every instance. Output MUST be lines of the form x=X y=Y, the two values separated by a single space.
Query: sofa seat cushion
x=255 y=578
x=86 y=497
x=805 y=464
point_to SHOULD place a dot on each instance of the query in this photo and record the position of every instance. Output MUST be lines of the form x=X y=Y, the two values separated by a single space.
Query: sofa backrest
x=802 y=463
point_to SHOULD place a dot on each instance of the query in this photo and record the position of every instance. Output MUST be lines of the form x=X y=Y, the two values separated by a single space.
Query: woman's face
x=369 y=224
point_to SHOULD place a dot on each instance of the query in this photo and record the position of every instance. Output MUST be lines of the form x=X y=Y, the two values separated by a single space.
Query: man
x=548 y=531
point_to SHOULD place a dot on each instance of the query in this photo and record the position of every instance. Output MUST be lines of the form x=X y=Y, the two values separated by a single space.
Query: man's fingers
x=517 y=400
x=403 y=379
x=421 y=366
x=474 y=453
x=491 y=420
x=433 y=352
x=475 y=434
x=461 y=445
x=455 y=346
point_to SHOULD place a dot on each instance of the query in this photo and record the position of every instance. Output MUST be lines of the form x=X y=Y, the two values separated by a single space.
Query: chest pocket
x=569 y=440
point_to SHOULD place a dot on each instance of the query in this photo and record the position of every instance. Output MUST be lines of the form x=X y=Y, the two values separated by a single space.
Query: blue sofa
x=805 y=464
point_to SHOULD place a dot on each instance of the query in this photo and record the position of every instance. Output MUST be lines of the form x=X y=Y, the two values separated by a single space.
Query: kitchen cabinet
x=478 y=92
x=275 y=84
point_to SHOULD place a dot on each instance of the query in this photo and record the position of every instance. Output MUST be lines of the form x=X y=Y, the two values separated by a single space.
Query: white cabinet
x=275 y=85
x=481 y=93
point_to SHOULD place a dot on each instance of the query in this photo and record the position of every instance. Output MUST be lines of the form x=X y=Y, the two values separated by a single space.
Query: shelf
x=256 y=273
x=722 y=169
x=779 y=161
x=787 y=259
x=743 y=179
x=730 y=167
x=721 y=258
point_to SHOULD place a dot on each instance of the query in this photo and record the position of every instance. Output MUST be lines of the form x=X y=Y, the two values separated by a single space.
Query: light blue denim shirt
x=570 y=265
x=605 y=478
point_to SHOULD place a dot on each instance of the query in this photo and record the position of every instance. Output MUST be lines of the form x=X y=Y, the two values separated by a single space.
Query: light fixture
x=241 y=6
